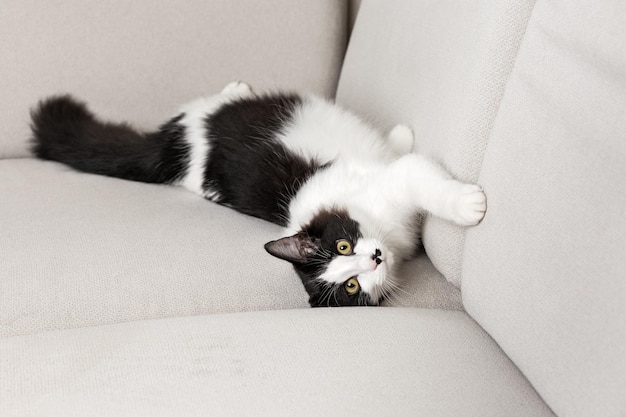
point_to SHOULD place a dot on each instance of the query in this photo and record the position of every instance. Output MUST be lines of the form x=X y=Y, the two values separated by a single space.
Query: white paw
x=470 y=205
x=401 y=139
x=238 y=88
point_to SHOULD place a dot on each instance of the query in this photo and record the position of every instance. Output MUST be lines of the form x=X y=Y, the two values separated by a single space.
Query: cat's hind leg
x=401 y=140
x=237 y=88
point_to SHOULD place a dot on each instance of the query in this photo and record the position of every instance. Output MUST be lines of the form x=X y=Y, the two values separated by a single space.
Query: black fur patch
x=64 y=130
x=249 y=168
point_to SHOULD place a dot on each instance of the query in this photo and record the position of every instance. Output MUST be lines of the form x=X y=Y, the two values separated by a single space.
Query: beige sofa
x=127 y=299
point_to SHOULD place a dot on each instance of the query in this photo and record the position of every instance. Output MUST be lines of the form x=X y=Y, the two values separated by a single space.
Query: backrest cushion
x=440 y=66
x=140 y=60
x=545 y=273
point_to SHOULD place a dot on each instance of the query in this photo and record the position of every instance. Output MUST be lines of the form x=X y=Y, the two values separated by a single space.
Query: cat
x=349 y=197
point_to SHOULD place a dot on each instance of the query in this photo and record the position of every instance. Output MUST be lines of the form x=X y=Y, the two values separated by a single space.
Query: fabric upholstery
x=82 y=250
x=527 y=101
x=545 y=273
x=440 y=67
x=353 y=11
x=330 y=362
x=421 y=285
x=140 y=60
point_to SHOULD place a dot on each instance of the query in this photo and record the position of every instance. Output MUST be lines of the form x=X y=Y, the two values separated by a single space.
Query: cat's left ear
x=296 y=249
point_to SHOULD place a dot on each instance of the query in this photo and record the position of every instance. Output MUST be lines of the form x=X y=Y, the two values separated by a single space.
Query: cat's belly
x=325 y=132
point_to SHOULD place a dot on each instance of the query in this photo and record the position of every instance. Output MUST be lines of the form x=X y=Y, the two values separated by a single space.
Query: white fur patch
x=196 y=134
x=324 y=131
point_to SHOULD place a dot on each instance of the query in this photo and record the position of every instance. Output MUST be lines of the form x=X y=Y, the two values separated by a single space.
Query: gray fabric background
x=139 y=61
x=307 y=362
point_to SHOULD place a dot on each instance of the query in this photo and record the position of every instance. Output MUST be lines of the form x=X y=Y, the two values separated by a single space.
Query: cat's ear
x=296 y=249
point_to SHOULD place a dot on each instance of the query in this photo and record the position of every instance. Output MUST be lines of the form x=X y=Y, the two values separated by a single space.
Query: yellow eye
x=344 y=247
x=352 y=286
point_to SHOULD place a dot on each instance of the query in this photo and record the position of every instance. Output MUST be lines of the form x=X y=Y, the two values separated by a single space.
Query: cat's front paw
x=470 y=205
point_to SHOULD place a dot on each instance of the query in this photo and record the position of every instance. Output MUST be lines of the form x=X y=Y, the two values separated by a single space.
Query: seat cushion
x=310 y=362
x=80 y=249
x=139 y=61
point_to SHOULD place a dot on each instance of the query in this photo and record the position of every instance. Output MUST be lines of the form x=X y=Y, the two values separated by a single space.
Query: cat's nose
x=376 y=257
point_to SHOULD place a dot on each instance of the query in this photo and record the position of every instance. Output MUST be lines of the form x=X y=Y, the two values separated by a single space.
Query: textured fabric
x=421 y=285
x=80 y=250
x=353 y=11
x=440 y=67
x=141 y=60
x=545 y=274
x=315 y=362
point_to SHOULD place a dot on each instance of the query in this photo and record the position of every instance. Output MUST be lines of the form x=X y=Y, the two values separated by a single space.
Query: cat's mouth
x=375 y=280
x=368 y=263
x=373 y=252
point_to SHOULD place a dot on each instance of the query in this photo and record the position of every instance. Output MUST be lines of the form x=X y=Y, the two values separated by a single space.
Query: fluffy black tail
x=64 y=130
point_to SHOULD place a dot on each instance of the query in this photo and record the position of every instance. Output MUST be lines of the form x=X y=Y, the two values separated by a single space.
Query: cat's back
x=254 y=117
x=304 y=124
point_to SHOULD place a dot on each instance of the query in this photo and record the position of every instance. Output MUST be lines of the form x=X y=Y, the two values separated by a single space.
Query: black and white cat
x=350 y=198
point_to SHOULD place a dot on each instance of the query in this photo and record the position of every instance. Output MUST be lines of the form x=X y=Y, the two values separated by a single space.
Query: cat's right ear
x=296 y=249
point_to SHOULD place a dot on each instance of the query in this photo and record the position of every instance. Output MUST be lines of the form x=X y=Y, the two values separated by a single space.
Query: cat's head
x=337 y=264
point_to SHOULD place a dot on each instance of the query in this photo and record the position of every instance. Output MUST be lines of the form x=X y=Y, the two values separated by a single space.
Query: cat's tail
x=64 y=130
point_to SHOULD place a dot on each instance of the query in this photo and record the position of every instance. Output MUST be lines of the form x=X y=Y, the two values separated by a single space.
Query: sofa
x=128 y=299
